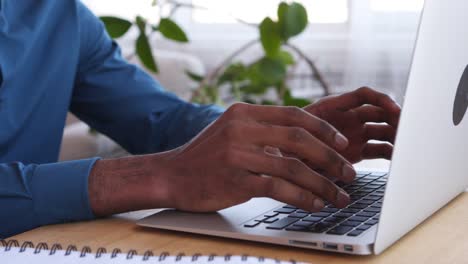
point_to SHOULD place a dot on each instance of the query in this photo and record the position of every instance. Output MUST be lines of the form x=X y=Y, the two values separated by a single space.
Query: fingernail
x=319 y=204
x=343 y=198
x=348 y=172
x=341 y=141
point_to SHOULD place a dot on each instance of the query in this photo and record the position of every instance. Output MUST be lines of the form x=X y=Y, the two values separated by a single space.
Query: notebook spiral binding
x=9 y=244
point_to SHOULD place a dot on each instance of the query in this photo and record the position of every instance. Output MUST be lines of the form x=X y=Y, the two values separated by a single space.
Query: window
x=397 y=5
x=320 y=11
x=124 y=8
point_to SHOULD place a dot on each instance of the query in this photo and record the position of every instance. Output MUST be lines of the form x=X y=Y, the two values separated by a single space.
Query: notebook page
x=31 y=255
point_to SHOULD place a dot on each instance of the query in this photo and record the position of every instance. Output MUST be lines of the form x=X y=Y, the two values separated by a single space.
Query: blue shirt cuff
x=60 y=191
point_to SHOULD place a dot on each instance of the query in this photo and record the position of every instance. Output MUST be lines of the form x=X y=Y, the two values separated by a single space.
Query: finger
x=363 y=96
x=302 y=144
x=291 y=117
x=370 y=113
x=286 y=192
x=377 y=151
x=296 y=172
x=380 y=132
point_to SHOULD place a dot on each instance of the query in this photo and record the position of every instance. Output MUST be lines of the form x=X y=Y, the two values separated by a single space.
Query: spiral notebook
x=13 y=252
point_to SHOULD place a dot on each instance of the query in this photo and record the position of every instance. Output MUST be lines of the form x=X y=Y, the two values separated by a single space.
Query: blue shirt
x=55 y=56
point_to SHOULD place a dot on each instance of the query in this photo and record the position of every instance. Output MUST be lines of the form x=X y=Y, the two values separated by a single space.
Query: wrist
x=129 y=184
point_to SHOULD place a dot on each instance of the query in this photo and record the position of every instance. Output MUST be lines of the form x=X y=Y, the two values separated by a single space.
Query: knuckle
x=364 y=89
x=326 y=129
x=385 y=97
x=293 y=112
x=294 y=167
x=236 y=110
x=332 y=158
x=297 y=134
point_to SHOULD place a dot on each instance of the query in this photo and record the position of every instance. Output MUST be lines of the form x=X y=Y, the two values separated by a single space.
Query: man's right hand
x=228 y=164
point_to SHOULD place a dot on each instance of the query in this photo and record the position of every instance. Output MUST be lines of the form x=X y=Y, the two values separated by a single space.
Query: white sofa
x=78 y=143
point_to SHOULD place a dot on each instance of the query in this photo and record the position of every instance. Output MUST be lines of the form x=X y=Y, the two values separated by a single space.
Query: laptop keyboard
x=366 y=193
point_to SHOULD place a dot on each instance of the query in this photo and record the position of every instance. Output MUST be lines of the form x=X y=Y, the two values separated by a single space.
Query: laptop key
x=290 y=207
x=261 y=219
x=372 y=222
x=358 y=219
x=271 y=214
x=284 y=210
x=372 y=209
x=320 y=214
x=350 y=210
x=281 y=224
x=298 y=215
x=330 y=210
x=358 y=206
x=366 y=201
x=296 y=228
x=340 y=230
x=333 y=219
x=355 y=233
x=270 y=220
x=252 y=224
x=312 y=219
x=343 y=215
x=304 y=223
x=350 y=223
x=364 y=227
x=366 y=214
x=320 y=227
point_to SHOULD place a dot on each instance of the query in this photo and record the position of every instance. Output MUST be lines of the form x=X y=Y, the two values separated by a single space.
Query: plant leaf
x=234 y=72
x=267 y=102
x=141 y=23
x=270 y=37
x=116 y=27
x=293 y=19
x=254 y=88
x=194 y=77
x=289 y=100
x=171 y=30
x=270 y=70
x=144 y=52
x=286 y=57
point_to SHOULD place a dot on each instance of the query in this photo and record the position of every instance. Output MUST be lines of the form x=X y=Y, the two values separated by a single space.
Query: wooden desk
x=441 y=239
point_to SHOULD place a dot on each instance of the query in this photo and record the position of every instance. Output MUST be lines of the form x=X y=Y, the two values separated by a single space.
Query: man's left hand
x=362 y=115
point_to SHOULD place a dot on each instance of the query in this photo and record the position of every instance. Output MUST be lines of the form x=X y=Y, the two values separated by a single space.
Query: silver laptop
x=429 y=167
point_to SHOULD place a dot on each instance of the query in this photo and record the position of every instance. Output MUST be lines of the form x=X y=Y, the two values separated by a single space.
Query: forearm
x=129 y=184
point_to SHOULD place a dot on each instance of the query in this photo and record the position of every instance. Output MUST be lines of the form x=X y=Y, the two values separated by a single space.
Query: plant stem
x=208 y=80
x=316 y=72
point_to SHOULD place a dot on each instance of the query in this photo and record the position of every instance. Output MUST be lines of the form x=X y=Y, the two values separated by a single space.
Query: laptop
x=428 y=170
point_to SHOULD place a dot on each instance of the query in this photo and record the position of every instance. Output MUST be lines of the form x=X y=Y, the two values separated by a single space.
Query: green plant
x=167 y=27
x=248 y=82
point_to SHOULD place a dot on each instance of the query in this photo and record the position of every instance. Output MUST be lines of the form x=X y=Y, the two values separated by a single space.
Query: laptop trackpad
x=227 y=218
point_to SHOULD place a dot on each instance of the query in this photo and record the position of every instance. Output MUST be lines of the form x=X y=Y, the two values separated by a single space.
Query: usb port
x=330 y=246
x=348 y=248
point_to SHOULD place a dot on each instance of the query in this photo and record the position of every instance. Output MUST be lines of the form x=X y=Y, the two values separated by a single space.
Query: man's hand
x=227 y=164
x=362 y=115
x=238 y=157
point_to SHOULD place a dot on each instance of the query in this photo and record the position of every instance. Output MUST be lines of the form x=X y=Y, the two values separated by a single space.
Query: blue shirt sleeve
x=123 y=102
x=35 y=195
x=117 y=99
